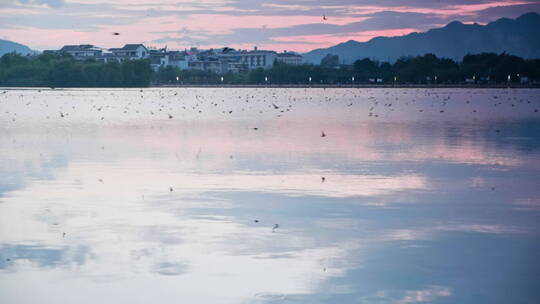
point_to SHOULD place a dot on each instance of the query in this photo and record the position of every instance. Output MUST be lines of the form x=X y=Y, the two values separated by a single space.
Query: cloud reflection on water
x=392 y=186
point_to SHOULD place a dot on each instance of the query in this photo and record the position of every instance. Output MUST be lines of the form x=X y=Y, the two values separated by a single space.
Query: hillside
x=519 y=37
x=10 y=46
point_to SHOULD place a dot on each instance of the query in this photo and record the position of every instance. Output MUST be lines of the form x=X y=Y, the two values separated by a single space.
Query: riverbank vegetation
x=49 y=70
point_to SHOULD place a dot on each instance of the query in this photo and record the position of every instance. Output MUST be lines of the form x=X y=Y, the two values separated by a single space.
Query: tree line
x=486 y=68
x=55 y=70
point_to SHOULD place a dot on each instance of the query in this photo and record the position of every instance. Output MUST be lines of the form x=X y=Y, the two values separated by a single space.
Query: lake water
x=172 y=195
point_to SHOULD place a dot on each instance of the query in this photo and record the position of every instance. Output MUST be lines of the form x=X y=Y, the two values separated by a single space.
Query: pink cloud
x=168 y=18
x=219 y=22
x=471 y=9
x=153 y=28
x=452 y=10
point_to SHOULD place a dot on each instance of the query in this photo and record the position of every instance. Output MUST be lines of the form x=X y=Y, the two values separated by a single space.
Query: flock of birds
x=176 y=103
x=185 y=103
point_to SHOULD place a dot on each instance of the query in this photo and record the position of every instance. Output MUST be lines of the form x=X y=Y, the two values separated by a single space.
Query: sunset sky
x=270 y=24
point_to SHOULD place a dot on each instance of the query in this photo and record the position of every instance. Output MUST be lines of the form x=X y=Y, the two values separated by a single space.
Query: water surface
x=171 y=196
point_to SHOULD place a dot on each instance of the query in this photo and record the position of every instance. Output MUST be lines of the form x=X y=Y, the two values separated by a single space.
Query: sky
x=292 y=25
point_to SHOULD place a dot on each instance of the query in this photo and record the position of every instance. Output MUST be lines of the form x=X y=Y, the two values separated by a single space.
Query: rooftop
x=80 y=47
x=128 y=47
x=132 y=47
x=290 y=54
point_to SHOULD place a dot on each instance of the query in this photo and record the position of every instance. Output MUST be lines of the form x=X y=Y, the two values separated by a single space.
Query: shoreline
x=387 y=86
x=301 y=86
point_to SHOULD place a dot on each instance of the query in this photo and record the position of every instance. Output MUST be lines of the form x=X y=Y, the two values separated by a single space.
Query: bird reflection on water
x=383 y=197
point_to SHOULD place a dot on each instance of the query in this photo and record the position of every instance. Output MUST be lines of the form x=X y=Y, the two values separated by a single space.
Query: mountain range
x=10 y=46
x=520 y=36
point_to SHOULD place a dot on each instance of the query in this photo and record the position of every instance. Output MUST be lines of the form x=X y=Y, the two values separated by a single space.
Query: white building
x=159 y=61
x=257 y=59
x=214 y=66
x=82 y=51
x=179 y=59
x=131 y=51
x=290 y=58
x=219 y=61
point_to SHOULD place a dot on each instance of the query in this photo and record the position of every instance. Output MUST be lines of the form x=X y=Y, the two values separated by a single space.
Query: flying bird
x=324 y=17
x=116 y=34
x=276 y=226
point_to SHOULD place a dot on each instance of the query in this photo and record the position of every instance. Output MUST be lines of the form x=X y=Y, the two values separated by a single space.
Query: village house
x=209 y=65
x=290 y=58
x=82 y=51
x=131 y=51
x=220 y=61
x=179 y=59
x=258 y=58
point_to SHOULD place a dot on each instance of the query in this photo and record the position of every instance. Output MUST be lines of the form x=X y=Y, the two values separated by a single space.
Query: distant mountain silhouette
x=519 y=37
x=10 y=46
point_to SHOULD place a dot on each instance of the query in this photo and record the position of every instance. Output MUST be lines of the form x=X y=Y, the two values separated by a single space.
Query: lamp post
x=352 y=81
x=265 y=80
x=177 y=80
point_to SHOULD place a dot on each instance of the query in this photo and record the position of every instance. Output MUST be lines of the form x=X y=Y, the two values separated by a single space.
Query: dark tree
x=330 y=61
